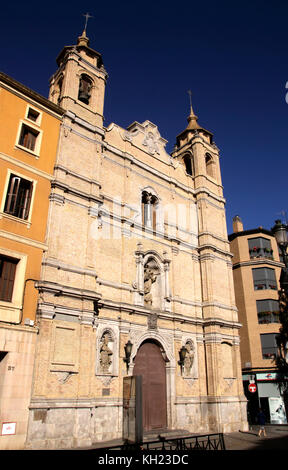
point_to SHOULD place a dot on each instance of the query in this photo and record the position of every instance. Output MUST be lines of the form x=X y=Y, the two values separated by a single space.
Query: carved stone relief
x=151 y=143
x=165 y=339
x=152 y=321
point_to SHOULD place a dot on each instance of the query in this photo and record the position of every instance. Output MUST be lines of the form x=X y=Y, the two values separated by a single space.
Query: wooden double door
x=150 y=364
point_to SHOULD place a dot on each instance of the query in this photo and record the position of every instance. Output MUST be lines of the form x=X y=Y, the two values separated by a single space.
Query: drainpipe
x=23 y=296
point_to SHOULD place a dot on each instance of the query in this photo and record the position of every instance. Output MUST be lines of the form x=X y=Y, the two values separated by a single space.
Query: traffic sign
x=252 y=387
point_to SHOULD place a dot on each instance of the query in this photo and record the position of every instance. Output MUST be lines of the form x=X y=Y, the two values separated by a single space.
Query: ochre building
x=29 y=136
x=137 y=255
x=256 y=269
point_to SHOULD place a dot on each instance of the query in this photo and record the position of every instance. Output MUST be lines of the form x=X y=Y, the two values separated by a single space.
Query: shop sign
x=8 y=429
x=267 y=376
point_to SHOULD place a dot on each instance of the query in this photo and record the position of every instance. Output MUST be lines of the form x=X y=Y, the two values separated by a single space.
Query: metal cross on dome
x=87 y=16
x=190 y=97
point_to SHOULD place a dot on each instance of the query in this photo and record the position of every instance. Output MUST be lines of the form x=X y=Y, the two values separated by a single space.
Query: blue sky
x=232 y=55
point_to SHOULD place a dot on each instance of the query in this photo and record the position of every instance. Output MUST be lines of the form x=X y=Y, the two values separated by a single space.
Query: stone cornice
x=67 y=291
x=75 y=192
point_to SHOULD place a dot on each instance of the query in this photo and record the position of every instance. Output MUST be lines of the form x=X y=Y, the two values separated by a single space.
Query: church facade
x=137 y=277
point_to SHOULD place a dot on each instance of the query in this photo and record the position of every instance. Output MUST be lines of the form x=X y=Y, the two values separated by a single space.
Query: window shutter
x=11 y=199
x=24 y=200
x=7 y=279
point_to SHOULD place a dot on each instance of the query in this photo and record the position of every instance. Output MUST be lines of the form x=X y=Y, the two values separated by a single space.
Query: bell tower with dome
x=78 y=85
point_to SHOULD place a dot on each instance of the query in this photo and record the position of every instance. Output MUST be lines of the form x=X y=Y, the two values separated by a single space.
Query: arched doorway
x=150 y=364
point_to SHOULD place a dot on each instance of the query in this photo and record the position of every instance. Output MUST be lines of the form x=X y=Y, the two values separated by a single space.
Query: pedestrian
x=261 y=422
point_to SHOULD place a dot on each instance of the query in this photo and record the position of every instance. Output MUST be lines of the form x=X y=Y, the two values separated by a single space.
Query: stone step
x=166 y=433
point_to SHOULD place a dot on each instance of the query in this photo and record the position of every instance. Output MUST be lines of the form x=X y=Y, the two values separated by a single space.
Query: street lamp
x=128 y=350
x=280 y=233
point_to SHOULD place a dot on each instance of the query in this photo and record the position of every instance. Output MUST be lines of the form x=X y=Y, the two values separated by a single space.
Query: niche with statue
x=106 y=352
x=152 y=280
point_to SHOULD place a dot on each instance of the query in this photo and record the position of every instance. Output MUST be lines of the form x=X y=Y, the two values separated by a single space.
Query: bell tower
x=198 y=153
x=78 y=85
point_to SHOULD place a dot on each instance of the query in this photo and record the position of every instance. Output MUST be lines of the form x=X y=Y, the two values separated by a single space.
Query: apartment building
x=29 y=126
x=256 y=272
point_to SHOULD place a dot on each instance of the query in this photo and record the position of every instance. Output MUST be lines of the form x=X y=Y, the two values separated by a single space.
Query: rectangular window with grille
x=18 y=198
x=7 y=277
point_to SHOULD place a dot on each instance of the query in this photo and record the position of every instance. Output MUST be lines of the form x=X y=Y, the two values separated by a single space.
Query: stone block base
x=74 y=427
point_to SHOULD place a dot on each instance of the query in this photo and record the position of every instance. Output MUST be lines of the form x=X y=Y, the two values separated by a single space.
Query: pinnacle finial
x=192 y=114
x=190 y=98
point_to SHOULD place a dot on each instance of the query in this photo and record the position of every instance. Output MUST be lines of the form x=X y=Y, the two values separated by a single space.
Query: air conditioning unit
x=28 y=322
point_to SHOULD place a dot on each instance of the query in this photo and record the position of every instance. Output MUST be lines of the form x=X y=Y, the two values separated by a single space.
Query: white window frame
x=30 y=124
x=11 y=311
x=10 y=216
x=39 y=118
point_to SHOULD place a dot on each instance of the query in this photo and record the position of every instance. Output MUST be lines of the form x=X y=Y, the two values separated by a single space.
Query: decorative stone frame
x=113 y=345
x=164 y=265
x=159 y=226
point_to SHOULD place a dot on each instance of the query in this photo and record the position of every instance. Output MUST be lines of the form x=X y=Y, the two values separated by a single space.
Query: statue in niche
x=150 y=275
x=105 y=354
x=189 y=357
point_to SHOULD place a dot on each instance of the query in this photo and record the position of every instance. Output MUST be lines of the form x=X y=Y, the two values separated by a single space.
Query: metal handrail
x=187 y=443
